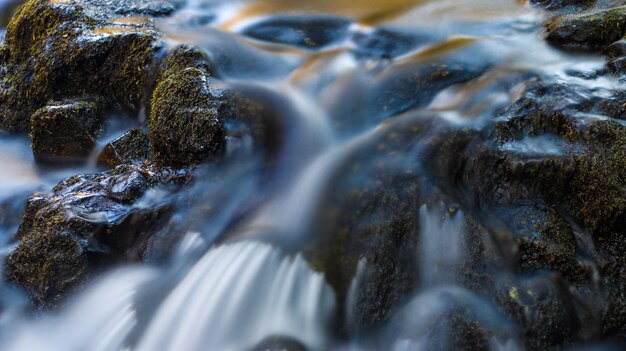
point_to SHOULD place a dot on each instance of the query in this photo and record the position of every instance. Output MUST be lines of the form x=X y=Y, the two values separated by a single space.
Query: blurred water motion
x=355 y=95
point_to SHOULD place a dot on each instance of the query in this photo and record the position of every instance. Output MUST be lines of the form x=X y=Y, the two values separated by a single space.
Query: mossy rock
x=87 y=223
x=58 y=50
x=369 y=217
x=186 y=117
x=131 y=148
x=560 y=5
x=588 y=31
x=279 y=343
x=65 y=131
x=599 y=196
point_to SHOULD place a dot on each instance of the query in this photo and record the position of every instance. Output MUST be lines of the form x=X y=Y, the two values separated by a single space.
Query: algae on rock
x=186 y=117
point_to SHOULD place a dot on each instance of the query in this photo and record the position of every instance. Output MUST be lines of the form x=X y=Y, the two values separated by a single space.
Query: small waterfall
x=236 y=296
x=441 y=248
x=291 y=212
x=112 y=316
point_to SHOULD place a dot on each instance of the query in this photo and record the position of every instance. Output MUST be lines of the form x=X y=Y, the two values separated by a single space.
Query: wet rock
x=387 y=43
x=569 y=5
x=186 y=119
x=312 y=32
x=448 y=318
x=550 y=315
x=131 y=148
x=59 y=50
x=150 y=8
x=547 y=108
x=87 y=223
x=369 y=217
x=616 y=50
x=588 y=31
x=457 y=329
x=565 y=211
x=599 y=184
x=65 y=131
x=279 y=343
x=540 y=239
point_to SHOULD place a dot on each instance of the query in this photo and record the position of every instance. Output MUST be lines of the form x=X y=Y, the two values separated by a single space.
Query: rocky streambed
x=249 y=175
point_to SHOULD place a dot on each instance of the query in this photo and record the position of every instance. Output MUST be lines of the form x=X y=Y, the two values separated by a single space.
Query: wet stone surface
x=305 y=32
x=86 y=223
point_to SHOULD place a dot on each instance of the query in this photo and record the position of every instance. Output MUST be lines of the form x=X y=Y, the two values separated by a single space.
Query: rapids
x=346 y=82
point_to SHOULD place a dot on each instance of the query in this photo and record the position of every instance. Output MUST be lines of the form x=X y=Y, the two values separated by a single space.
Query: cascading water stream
x=374 y=91
x=236 y=296
x=112 y=316
x=441 y=247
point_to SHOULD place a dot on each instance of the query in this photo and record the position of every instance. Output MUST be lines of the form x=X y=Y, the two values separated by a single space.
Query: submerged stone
x=310 y=32
x=387 y=43
x=279 y=343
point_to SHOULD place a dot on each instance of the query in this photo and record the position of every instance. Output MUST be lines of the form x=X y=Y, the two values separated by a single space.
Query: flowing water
x=345 y=81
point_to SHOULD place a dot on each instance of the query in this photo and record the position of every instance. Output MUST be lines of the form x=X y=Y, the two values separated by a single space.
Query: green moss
x=65 y=131
x=592 y=31
x=34 y=22
x=48 y=266
x=55 y=51
x=550 y=245
x=186 y=119
x=600 y=180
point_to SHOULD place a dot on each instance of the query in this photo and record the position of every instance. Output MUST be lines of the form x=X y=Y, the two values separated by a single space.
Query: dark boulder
x=279 y=343
x=368 y=217
x=588 y=31
x=65 y=131
x=569 y=5
x=59 y=50
x=85 y=224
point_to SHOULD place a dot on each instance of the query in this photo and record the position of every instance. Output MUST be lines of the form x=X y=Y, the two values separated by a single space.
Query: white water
x=236 y=296
x=233 y=298
x=423 y=323
x=441 y=246
x=99 y=320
